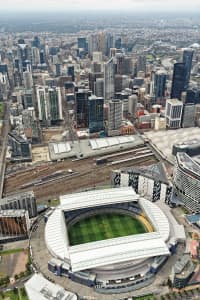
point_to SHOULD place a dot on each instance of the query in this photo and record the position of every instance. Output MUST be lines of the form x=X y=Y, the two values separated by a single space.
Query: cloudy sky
x=52 y=5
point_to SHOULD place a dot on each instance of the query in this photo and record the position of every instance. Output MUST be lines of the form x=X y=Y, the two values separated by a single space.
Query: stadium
x=112 y=239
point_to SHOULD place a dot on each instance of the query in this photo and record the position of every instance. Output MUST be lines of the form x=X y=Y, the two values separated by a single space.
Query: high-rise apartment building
x=109 y=88
x=186 y=182
x=49 y=105
x=173 y=113
x=115 y=113
x=28 y=80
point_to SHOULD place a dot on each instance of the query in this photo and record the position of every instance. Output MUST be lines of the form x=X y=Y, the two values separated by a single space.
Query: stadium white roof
x=116 y=250
x=97 y=198
x=110 y=251
x=41 y=289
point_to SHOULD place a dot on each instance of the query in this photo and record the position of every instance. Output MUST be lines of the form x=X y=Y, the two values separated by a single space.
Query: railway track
x=87 y=174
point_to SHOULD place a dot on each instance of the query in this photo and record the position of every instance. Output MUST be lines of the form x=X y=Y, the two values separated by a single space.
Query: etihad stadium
x=111 y=239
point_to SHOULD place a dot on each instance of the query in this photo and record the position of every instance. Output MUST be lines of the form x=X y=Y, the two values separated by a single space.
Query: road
x=5 y=132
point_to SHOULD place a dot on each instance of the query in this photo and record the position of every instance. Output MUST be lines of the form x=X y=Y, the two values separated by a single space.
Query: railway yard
x=49 y=180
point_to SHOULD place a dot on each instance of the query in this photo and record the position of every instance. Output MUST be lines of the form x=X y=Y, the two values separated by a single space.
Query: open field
x=102 y=227
x=18 y=294
x=13 y=262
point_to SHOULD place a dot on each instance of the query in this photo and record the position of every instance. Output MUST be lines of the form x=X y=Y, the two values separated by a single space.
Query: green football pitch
x=102 y=227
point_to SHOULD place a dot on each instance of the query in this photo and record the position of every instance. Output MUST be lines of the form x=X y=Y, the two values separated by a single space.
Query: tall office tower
x=141 y=63
x=109 y=43
x=113 y=52
x=132 y=105
x=159 y=85
x=120 y=64
x=96 y=121
x=128 y=65
x=186 y=182
x=173 y=113
x=115 y=113
x=109 y=87
x=70 y=72
x=187 y=60
x=36 y=42
x=118 y=83
x=92 y=44
x=24 y=55
x=97 y=57
x=81 y=100
x=178 y=80
x=99 y=87
x=58 y=69
x=96 y=67
x=55 y=104
x=42 y=57
x=118 y=43
x=193 y=96
x=82 y=43
x=42 y=104
x=92 y=79
x=28 y=98
x=35 y=56
x=188 y=116
x=28 y=80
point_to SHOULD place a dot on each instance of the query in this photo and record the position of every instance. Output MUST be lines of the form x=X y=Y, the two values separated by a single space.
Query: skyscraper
x=115 y=113
x=42 y=104
x=28 y=80
x=96 y=122
x=178 y=80
x=109 y=88
x=173 y=113
x=160 y=85
x=187 y=60
x=82 y=108
x=55 y=104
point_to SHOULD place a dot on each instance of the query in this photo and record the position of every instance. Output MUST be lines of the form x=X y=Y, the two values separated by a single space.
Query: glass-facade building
x=96 y=120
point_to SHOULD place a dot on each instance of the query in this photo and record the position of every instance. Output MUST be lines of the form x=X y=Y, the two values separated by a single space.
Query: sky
x=115 y=5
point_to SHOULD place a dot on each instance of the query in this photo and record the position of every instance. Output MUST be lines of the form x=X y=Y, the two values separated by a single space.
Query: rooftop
x=187 y=163
x=41 y=289
x=12 y=213
x=175 y=102
x=155 y=171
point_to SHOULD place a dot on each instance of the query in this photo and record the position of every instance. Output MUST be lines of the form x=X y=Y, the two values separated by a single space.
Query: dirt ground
x=13 y=264
x=52 y=135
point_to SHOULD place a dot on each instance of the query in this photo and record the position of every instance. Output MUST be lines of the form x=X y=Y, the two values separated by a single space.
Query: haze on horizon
x=95 y=5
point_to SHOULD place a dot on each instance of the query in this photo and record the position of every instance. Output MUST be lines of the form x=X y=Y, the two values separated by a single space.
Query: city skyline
x=80 y=5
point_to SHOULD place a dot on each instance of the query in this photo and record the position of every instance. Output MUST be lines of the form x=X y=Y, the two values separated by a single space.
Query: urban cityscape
x=100 y=150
